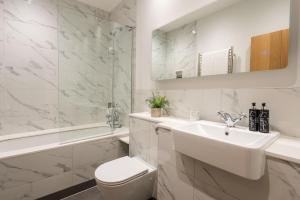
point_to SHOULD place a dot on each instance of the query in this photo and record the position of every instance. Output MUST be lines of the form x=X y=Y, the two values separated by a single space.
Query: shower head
x=116 y=30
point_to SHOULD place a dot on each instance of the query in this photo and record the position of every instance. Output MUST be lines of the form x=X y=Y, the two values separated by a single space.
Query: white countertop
x=285 y=148
x=147 y=116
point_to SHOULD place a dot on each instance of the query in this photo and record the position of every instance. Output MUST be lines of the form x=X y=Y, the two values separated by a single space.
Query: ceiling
x=107 y=5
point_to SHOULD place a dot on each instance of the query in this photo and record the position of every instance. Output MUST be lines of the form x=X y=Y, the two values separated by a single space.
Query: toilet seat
x=121 y=171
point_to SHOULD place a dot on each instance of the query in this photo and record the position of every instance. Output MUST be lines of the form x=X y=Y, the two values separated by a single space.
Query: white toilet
x=125 y=179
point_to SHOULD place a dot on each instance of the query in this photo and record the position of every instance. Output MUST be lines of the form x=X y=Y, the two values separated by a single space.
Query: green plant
x=157 y=101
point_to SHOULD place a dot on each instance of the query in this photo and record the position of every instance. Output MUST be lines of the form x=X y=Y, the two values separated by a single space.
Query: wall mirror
x=230 y=36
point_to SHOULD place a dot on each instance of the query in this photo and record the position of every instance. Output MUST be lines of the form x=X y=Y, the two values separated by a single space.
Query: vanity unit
x=218 y=145
x=221 y=167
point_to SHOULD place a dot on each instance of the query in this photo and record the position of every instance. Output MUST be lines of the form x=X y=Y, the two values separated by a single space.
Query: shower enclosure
x=94 y=67
x=62 y=62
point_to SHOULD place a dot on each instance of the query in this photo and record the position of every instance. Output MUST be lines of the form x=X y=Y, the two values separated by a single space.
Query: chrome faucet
x=229 y=120
x=113 y=116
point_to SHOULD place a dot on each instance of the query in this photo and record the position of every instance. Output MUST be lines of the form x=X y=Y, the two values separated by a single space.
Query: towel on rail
x=214 y=63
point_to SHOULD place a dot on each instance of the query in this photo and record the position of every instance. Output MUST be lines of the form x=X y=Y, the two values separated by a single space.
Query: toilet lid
x=120 y=171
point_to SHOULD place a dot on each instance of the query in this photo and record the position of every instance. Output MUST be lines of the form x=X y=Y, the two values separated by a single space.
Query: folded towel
x=214 y=63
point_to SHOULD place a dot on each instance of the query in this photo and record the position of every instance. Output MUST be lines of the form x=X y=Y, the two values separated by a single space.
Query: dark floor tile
x=90 y=194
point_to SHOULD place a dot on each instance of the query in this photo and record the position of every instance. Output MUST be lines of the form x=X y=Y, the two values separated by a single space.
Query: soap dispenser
x=264 y=126
x=254 y=118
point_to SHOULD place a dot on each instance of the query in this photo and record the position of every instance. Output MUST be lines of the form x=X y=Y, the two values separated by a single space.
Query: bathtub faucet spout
x=113 y=116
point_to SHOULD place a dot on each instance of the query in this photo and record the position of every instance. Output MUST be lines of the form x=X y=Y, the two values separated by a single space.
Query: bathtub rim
x=117 y=133
x=14 y=136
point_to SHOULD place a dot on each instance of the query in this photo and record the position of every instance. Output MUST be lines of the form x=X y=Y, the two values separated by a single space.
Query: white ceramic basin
x=236 y=150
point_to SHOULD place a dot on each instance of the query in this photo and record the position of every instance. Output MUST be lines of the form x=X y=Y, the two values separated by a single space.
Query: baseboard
x=69 y=191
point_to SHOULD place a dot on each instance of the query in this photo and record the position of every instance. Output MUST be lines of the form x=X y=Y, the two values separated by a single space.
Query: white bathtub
x=19 y=144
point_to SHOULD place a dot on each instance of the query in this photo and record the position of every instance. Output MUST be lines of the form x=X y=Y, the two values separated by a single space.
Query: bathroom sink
x=236 y=150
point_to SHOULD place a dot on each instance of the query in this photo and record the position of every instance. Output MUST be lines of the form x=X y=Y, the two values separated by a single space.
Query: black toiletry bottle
x=254 y=118
x=264 y=116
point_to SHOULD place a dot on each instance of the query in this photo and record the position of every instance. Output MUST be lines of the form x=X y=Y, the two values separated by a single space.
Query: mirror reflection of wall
x=245 y=36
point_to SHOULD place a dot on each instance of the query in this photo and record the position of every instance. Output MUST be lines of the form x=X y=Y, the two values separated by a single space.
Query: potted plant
x=157 y=103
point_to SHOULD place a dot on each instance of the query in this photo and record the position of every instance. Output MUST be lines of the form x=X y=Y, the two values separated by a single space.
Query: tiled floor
x=90 y=194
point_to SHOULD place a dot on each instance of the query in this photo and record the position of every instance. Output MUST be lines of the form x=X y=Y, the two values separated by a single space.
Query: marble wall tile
x=51 y=185
x=27 y=110
x=80 y=8
x=178 y=103
x=168 y=156
x=125 y=13
x=284 y=179
x=199 y=195
x=33 y=35
x=28 y=74
x=219 y=184
x=41 y=13
x=211 y=103
x=153 y=146
x=1 y=22
x=71 y=114
x=34 y=167
x=207 y=102
x=140 y=104
x=139 y=138
x=25 y=66
x=143 y=140
x=281 y=181
x=34 y=175
x=173 y=184
x=22 y=192
x=282 y=103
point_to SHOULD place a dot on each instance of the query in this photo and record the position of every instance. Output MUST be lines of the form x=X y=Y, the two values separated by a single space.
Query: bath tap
x=229 y=120
x=113 y=116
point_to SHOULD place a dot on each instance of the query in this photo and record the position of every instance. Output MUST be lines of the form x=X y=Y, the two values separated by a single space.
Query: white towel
x=214 y=63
